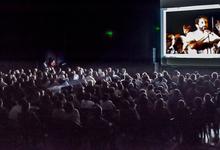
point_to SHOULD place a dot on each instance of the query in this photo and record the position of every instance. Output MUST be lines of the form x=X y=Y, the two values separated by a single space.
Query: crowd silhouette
x=101 y=105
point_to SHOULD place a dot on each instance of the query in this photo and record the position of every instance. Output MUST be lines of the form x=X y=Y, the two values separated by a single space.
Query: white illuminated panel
x=164 y=12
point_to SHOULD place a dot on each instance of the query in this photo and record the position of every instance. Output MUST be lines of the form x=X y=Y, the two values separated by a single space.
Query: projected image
x=192 y=32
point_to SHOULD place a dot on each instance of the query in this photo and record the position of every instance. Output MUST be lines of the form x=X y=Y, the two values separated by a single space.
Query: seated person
x=170 y=43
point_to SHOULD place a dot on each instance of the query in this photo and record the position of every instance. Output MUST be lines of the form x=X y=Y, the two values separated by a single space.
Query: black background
x=176 y=20
x=76 y=31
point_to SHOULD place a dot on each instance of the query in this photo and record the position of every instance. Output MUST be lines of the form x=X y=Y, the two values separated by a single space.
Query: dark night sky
x=76 y=30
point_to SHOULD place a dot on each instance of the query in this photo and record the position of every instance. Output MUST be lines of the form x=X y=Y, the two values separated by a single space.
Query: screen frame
x=163 y=16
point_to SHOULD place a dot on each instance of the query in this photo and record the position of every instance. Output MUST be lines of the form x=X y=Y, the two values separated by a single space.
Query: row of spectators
x=101 y=105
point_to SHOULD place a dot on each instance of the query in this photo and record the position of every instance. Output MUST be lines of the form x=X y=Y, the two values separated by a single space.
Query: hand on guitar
x=207 y=41
x=199 y=45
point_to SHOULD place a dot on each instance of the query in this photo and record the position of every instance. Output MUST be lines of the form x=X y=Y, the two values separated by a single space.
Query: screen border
x=163 y=16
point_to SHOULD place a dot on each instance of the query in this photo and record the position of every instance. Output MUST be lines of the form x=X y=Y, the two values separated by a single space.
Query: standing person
x=186 y=30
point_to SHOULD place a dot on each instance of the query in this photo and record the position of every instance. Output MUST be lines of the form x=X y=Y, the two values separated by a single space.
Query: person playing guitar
x=202 y=40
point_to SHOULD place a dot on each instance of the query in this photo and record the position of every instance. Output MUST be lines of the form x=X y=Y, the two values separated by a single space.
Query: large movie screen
x=191 y=32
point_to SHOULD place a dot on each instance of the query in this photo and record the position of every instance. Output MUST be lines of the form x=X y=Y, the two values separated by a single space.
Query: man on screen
x=176 y=43
x=186 y=30
x=202 y=40
x=170 y=44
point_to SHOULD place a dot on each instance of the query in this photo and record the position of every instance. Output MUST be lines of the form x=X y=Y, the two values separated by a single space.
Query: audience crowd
x=98 y=106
